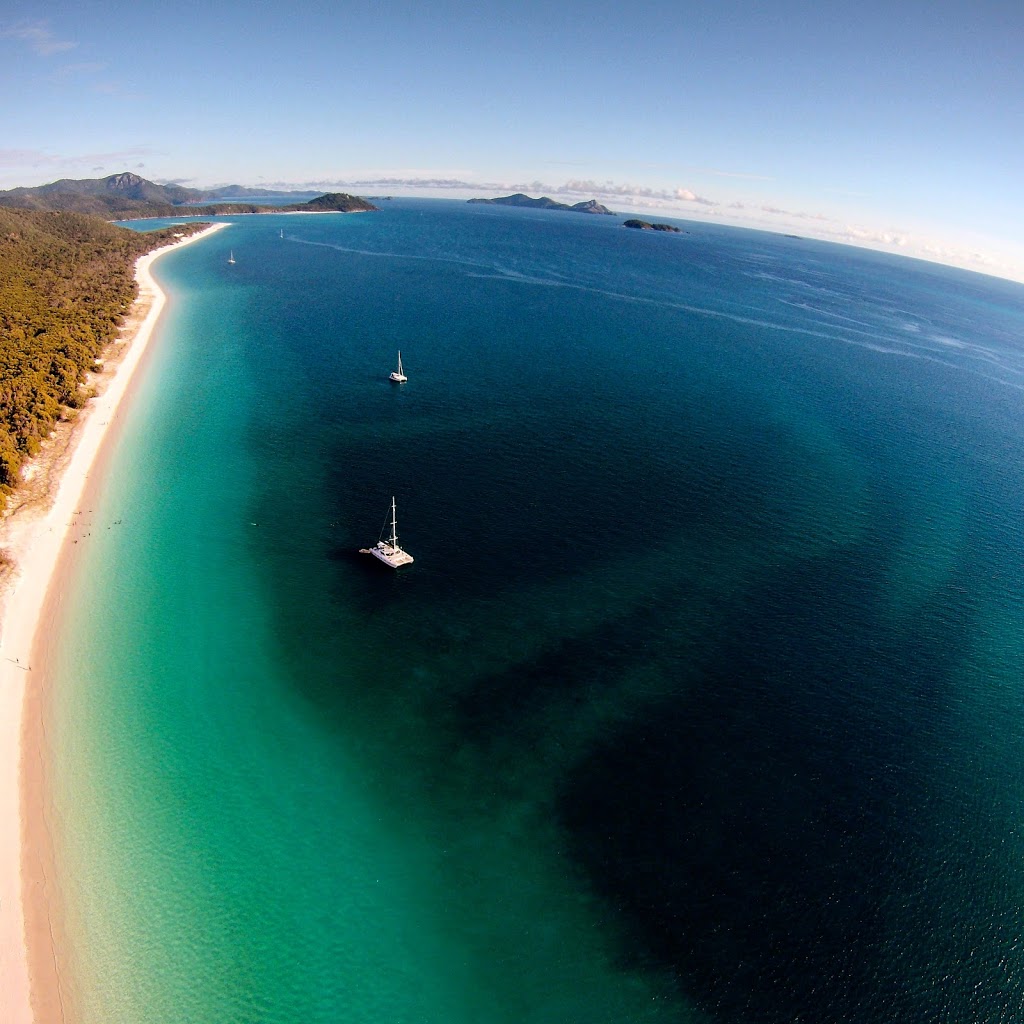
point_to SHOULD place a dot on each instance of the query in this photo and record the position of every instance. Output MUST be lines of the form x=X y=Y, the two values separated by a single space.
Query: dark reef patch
x=749 y=834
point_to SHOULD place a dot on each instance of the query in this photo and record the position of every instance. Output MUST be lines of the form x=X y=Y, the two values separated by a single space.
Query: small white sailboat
x=388 y=551
x=231 y=256
x=398 y=375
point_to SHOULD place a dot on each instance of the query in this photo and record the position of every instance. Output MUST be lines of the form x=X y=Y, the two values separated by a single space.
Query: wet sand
x=38 y=531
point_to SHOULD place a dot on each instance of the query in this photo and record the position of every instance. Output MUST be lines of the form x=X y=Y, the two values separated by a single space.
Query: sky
x=897 y=125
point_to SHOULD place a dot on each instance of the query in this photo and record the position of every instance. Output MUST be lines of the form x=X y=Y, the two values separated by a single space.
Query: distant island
x=329 y=202
x=126 y=196
x=644 y=225
x=544 y=203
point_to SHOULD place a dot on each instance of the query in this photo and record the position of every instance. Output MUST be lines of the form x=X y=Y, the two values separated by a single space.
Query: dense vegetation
x=340 y=202
x=644 y=225
x=67 y=279
x=126 y=196
x=545 y=203
x=333 y=202
x=66 y=282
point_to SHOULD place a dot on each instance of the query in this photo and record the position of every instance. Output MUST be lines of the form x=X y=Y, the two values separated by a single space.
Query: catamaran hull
x=385 y=553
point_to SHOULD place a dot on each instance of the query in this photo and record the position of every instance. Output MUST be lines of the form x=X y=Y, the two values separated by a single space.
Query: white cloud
x=109 y=88
x=735 y=174
x=575 y=188
x=686 y=196
x=866 y=236
x=83 y=68
x=15 y=162
x=629 y=193
x=943 y=254
x=25 y=158
x=39 y=37
x=795 y=214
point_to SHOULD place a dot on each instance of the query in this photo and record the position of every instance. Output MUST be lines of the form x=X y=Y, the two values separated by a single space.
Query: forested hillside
x=66 y=282
x=126 y=196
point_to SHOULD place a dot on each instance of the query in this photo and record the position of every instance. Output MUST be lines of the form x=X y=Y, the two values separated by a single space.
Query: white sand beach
x=33 y=533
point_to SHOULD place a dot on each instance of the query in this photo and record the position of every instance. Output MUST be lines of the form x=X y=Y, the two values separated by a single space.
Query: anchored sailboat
x=231 y=256
x=398 y=375
x=388 y=551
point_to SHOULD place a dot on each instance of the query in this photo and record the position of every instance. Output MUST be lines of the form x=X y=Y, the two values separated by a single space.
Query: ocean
x=702 y=701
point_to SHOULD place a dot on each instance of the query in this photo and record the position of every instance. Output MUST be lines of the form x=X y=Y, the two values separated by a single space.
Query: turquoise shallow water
x=700 y=702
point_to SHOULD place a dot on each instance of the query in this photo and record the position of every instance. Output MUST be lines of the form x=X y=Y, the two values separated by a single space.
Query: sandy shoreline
x=34 y=534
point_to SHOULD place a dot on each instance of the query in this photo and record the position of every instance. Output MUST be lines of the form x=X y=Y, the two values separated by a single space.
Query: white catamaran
x=388 y=551
x=398 y=375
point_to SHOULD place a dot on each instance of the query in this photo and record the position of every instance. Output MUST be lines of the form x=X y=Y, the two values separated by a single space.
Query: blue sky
x=897 y=125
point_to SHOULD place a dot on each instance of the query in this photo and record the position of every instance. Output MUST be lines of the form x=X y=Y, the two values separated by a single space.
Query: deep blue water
x=702 y=700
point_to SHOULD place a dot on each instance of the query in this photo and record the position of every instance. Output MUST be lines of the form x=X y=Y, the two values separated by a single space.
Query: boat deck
x=393 y=556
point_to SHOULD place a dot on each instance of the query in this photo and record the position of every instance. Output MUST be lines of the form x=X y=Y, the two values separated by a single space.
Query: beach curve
x=33 y=535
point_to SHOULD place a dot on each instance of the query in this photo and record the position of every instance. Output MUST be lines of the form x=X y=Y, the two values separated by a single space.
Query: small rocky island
x=331 y=202
x=544 y=203
x=644 y=225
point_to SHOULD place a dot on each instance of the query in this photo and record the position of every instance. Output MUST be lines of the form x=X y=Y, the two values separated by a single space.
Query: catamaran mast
x=394 y=518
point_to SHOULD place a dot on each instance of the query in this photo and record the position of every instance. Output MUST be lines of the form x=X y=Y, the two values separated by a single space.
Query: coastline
x=35 y=534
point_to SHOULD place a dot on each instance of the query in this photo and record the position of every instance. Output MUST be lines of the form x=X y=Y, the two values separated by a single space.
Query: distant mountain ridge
x=125 y=196
x=544 y=203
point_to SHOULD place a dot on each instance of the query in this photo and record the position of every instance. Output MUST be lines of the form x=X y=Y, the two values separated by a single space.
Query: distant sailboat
x=397 y=375
x=282 y=232
x=231 y=257
x=388 y=551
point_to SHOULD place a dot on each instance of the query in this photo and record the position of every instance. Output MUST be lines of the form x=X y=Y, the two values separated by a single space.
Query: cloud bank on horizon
x=684 y=204
x=679 y=202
